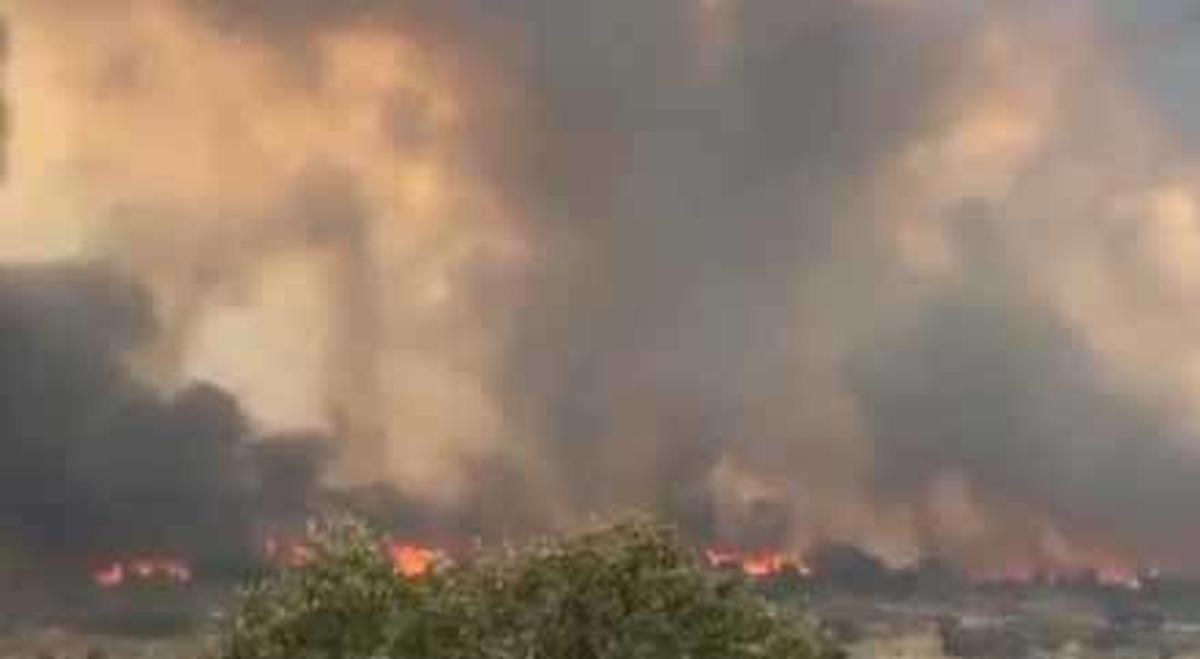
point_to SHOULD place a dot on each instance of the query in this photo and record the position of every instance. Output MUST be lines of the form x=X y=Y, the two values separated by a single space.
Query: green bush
x=624 y=592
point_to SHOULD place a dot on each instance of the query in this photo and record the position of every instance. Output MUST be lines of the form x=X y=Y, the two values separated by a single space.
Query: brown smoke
x=907 y=273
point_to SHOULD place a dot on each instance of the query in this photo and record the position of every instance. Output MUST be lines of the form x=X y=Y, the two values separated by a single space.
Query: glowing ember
x=759 y=565
x=119 y=573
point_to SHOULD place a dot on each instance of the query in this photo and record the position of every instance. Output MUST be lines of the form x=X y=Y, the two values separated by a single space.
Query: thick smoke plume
x=912 y=274
x=97 y=464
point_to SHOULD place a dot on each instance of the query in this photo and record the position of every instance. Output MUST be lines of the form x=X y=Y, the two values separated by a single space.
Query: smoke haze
x=913 y=274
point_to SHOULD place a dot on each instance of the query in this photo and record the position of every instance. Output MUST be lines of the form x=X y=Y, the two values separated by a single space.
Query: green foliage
x=346 y=602
x=623 y=592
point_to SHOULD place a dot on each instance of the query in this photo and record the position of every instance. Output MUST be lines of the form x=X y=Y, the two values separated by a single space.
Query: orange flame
x=758 y=565
x=413 y=561
x=408 y=560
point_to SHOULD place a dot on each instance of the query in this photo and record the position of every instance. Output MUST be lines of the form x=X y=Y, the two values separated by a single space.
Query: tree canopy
x=625 y=591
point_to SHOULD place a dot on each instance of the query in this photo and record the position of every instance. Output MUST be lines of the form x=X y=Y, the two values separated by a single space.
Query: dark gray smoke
x=97 y=465
x=989 y=384
x=704 y=213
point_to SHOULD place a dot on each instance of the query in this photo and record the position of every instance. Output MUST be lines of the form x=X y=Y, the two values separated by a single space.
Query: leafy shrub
x=627 y=591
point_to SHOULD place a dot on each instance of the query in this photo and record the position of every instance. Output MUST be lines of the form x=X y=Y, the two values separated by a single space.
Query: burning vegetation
x=759 y=565
x=408 y=560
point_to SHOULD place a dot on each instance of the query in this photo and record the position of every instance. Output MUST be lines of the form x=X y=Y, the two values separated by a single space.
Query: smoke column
x=4 y=115
x=911 y=274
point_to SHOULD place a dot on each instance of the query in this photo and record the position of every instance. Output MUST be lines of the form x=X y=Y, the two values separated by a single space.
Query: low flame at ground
x=758 y=565
x=1110 y=576
x=123 y=572
x=409 y=560
x=412 y=561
